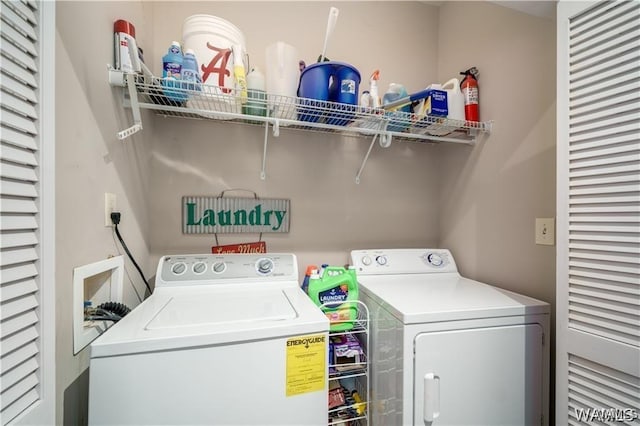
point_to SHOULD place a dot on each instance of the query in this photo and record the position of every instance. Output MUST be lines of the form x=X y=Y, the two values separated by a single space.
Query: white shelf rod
x=366 y=157
x=263 y=174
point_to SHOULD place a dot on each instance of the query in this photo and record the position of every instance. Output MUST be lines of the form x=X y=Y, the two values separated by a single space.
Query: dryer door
x=483 y=376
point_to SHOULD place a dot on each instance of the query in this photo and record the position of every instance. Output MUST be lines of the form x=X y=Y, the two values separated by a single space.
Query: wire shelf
x=176 y=98
x=202 y=101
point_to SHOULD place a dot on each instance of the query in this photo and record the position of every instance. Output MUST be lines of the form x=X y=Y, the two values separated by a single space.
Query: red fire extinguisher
x=469 y=87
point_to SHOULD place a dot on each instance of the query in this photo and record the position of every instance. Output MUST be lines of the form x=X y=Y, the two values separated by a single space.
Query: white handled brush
x=331 y=23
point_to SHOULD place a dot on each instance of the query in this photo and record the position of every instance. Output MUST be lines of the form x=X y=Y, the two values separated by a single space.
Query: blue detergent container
x=190 y=72
x=399 y=119
x=329 y=81
x=171 y=73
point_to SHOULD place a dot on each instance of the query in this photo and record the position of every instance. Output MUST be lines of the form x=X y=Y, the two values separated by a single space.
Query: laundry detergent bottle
x=335 y=291
x=171 y=73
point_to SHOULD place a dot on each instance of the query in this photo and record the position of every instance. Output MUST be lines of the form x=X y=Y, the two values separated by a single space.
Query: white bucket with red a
x=213 y=41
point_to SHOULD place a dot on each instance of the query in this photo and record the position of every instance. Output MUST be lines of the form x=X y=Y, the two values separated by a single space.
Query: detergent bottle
x=335 y=291
x=190 y=72
x=171 y=73
x=455 y=99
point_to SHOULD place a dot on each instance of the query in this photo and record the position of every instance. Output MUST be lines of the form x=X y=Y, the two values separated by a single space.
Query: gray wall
x=479 y=201
x=491 y=195
x=89 y=162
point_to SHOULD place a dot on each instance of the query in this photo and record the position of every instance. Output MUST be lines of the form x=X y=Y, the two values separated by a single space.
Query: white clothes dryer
x=223 y=340
x=447 y=350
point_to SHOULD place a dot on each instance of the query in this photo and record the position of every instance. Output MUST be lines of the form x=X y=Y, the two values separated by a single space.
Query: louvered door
x=26 y=190
x=598 y=257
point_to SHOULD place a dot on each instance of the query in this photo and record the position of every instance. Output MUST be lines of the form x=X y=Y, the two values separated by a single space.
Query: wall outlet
x=545 y=231
x=109 y=207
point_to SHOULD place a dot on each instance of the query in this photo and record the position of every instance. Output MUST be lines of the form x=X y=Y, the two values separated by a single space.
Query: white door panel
x=598 y=200
x=484 y=376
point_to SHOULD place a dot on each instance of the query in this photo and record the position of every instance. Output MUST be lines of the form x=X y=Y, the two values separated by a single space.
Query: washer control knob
x=264 y=266
x=435 y=259
x=178 y=268
x=219 y=267
x=199 y=267
x=366 y=260
x=382 y=260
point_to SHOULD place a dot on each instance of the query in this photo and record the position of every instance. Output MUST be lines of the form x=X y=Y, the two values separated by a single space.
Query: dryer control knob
x=219 y=267
x=366 y=260
x=178 y=268
x=264 y=266
x=199 y=267
x=382 y=260
x=435 y=259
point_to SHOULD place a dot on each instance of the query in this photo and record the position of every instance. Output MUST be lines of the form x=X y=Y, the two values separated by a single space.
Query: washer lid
x=225 y=308
x=175 y=318
x=423 y=298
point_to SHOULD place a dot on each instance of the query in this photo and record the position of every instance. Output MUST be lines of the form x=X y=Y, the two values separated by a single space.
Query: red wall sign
x=258 y=247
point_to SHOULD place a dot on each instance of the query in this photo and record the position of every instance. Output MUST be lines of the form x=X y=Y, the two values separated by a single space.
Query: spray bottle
x=373 y=89
x=311 y=270
x=239 y=73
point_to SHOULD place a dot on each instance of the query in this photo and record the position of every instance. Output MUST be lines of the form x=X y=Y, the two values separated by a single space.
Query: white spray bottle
x=376 y=102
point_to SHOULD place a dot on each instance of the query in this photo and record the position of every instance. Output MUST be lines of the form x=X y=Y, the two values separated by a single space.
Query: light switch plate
x=545 y=231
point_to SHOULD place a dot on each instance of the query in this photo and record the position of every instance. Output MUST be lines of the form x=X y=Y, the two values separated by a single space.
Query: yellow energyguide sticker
x=306 y=364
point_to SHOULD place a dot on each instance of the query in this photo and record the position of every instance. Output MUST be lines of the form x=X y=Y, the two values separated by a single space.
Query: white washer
x=223 y=339
x=448 y=350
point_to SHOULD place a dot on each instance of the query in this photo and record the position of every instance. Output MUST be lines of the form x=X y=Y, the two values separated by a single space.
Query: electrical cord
x=115 y=218
x=108 y=311
x=114 y=308
x=102 y=315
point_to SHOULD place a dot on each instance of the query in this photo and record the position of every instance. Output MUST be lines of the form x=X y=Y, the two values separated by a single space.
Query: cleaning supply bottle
x=373 y=89
x=172 y=62
x=455 y=100
x=190 y=72
x=256 y=94
x=335 y=291
x=365 y=99
x=395 y=92
x=239 y=73
x=400 y=118
x=171 y=72
x=311 y=269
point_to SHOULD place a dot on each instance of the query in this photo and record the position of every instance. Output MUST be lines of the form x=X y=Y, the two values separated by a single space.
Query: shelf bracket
x=263 y=173
x=385 y=141
x=135 y=109
x=366 y=157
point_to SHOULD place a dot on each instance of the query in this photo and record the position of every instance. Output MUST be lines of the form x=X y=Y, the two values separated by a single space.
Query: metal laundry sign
x=211 y=215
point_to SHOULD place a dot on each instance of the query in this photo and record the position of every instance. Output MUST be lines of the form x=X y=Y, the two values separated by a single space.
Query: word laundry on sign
x=240 y=217
x=220 y=215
